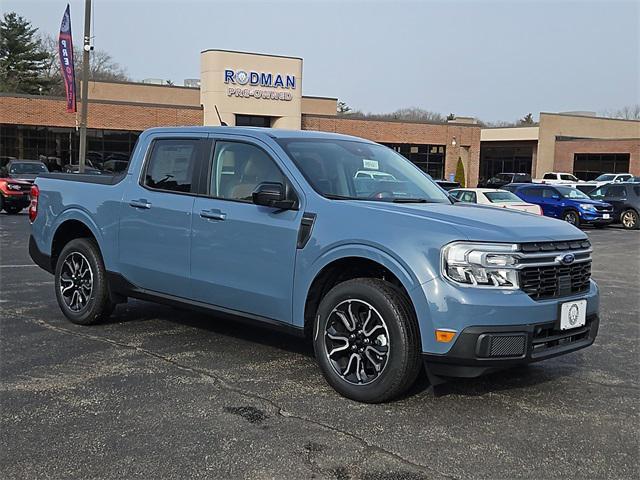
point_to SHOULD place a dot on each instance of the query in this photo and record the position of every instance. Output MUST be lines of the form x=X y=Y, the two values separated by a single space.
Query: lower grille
x=555 y=281
x=547 y=337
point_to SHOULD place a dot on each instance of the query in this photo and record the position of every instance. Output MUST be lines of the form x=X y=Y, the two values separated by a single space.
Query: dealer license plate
x=573 y=314
x=606 y=216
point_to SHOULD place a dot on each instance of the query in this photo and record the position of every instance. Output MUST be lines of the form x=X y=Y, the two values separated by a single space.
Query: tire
x=1 y=202
x=571 y=217
x=629 y=219
x=392 y=328
x=12 y=210
x=80 y=269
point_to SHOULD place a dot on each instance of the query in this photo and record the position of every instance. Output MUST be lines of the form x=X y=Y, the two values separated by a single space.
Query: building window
x=252 y=121
x=58 y=147
x=587 y=166
x=496 y=159
x=429 y=158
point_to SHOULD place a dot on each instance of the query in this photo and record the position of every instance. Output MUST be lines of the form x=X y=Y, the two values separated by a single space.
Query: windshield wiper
x=410 y=200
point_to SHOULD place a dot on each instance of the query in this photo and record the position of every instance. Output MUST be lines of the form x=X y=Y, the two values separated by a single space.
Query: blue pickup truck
x=384 y=273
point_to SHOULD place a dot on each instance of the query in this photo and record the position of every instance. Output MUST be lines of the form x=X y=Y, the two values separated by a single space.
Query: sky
x=495 y=60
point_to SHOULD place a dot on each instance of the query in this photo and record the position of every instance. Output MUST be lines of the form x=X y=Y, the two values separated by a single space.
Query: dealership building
x=249 y=89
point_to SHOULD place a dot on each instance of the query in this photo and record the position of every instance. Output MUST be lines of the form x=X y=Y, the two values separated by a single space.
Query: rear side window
x=549 y=193
x=549 y=176
x=532 y=192
x=616 y=191
x=172 y=165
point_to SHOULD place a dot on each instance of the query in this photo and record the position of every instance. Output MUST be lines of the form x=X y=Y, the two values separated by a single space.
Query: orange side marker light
x=445 y=336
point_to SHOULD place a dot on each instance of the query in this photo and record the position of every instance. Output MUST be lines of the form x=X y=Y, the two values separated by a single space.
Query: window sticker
x=370 y=164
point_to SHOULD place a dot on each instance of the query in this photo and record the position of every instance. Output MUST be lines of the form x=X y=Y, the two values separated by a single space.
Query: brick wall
x=565 y=150
x=467 y=137
x=34 y=110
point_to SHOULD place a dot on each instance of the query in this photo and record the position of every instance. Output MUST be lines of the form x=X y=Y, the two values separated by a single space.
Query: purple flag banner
x=65 y=49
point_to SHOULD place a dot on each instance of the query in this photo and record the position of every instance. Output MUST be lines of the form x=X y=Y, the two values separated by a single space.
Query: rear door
x=155 y=224
x=616 y=195
x=242 y=254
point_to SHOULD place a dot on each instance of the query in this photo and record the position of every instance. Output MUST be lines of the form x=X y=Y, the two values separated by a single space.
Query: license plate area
x=606 y=216
x=573 y=314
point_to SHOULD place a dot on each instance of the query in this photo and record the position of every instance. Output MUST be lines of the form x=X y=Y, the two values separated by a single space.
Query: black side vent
x=306 y=226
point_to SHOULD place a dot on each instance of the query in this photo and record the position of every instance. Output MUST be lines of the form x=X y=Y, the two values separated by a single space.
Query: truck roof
x=258 y=132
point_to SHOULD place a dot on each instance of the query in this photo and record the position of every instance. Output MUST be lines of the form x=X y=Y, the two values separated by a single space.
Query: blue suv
x=330 y=237
x=566 y=203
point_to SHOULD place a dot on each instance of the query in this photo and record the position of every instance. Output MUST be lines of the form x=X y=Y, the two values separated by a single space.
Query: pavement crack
x=223 y=384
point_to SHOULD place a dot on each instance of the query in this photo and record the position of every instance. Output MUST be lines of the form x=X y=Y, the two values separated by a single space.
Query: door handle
x=213 y=214
x=142 y=203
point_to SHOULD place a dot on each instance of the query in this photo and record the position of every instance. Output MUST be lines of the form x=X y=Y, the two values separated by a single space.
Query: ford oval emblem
x=568 y=259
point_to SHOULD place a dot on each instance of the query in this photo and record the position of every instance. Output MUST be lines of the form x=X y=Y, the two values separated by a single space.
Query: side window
x=599 y=193
x=532 y=192
x=172 y=164
x=616 y=191
x=469 y=197
x=549 y=176
x=456 y=194
x=549 y=193
x=238 y=169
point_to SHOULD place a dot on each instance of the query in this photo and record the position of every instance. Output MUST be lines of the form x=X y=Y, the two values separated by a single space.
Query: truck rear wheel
x=366 y=340
x=81 y=284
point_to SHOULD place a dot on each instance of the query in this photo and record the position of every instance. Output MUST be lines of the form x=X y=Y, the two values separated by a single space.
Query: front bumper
x=595 y=218
x=483 y=349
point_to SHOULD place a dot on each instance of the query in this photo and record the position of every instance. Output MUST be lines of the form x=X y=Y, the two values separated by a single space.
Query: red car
x=14 y=195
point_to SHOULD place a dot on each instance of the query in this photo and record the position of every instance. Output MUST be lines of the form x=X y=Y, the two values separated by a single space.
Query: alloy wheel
x=629 y=219
x=357 y=342
x=76 y=281
x=571 y=218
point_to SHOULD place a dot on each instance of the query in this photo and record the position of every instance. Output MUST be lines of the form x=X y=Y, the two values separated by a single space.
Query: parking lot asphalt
x=164 y=393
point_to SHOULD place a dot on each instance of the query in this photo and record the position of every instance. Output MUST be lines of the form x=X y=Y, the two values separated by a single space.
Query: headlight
x=13 y=186
x=587 y=206
x=489 y=265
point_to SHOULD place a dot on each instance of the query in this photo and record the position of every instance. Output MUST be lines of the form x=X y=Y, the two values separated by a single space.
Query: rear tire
x=81 y=284
x=571 y=217
x=629 y=219
x=367 y=341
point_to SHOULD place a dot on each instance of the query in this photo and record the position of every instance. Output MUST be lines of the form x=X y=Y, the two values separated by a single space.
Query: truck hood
x=480 y=223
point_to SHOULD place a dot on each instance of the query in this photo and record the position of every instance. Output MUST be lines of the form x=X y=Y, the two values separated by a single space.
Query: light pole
x=86 y=50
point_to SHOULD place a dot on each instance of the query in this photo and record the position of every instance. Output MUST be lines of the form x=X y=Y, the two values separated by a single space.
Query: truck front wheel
x=81 y=284
x=366 y=340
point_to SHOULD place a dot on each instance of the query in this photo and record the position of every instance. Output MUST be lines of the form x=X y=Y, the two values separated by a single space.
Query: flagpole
x=85 y=85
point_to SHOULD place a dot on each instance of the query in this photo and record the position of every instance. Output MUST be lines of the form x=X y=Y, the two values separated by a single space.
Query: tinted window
x=616 y=191
x=568 y=176
x=549 y=176
x=501 y=197
x=504 y=177
x=238 y=169
x=469 y=197
x=569 y=192
x=549 y=193
x=599 y=193
x=532 y=192
x=172 y=164
x=27 y=168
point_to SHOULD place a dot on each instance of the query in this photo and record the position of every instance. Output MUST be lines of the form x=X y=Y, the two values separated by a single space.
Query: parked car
x=26 y=170
x=384 y=279
x=14 y=195
x=557 y=178
x=503 y=179
x=89 y=168
x=566 y=203
x=613 y=177
x=494 y=198
x=625 y=198
x=447 y=184
x=115 y=166
x=375 y=175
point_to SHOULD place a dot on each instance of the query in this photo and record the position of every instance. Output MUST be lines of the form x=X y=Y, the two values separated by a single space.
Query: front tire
x=366 y=340
x=80 y=282
x=629 y=219
x=571 y=217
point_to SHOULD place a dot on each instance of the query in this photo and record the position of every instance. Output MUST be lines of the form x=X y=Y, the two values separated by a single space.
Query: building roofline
x=587 y=116
x=319 y=97
x=128 y=82
x=390 y=120
x=249 y=53
x=107 y=102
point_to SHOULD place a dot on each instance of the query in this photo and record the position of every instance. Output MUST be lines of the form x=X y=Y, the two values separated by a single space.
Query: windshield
x=605 y=178
x=502 y=197
x=568 y=192
x=347 y=169
x=28 y=168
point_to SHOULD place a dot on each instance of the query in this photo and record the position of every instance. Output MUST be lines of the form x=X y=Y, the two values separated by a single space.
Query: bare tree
x=103 y=66
x=411 y=114
x=629 y=112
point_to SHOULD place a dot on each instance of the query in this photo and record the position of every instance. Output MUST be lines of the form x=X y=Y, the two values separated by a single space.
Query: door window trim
x=289 y=185
x=196 y=174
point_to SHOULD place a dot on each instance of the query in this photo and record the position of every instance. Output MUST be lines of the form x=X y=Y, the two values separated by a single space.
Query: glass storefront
x=588 y=166
x=509 y=158
x=430 y=158
x=58 y=147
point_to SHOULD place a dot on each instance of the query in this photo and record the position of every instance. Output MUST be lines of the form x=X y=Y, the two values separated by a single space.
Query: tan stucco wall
x=144 y=93
x=214 y=91
x=553 y=125
x=319 y=106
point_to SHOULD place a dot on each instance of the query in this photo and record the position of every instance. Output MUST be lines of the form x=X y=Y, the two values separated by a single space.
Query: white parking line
x=18 y=266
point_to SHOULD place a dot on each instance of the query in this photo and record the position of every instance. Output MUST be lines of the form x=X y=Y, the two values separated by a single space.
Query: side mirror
x=271 y=194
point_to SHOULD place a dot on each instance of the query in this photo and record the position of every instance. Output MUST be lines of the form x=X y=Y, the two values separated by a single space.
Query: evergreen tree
x=460 y=173
x=23 y=61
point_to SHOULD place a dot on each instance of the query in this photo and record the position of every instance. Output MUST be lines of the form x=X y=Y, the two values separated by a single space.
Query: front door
x=242 y=254
x=155 y=224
